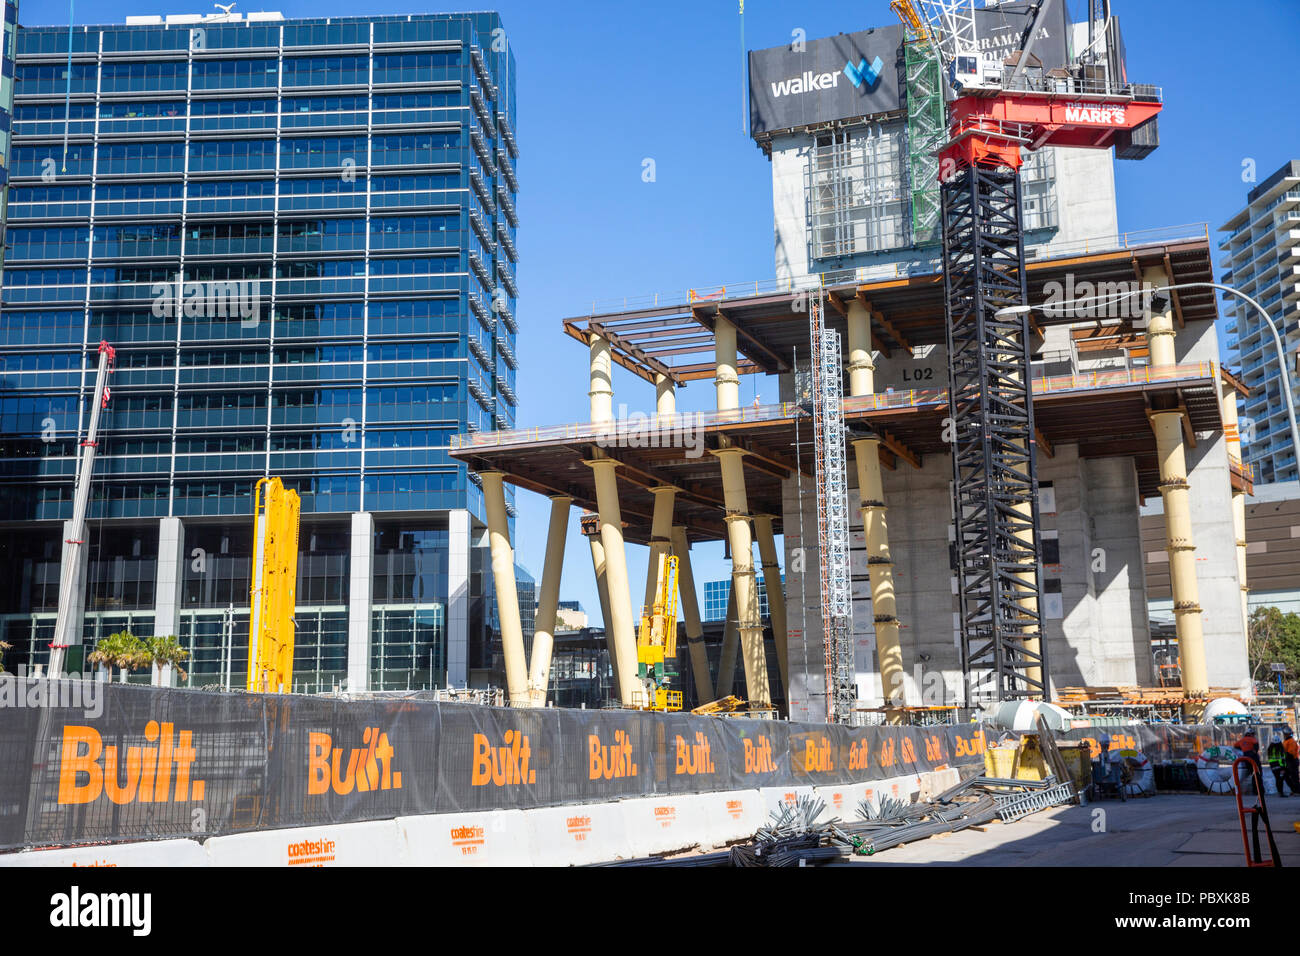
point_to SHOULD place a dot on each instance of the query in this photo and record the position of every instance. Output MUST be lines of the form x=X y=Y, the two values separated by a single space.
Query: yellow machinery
x=275 y=577
x=657 y=642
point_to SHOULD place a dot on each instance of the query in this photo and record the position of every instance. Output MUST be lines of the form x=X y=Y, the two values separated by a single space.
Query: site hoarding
x=810 y=82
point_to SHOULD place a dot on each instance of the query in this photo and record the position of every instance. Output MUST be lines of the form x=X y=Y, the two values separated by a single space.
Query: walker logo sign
x=156 y=773
x=860 y=74
x=790 y=88
x=853 y=74
x=366 y=768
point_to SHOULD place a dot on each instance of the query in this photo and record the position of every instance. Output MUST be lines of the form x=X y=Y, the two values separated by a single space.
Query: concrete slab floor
x=1164 y=830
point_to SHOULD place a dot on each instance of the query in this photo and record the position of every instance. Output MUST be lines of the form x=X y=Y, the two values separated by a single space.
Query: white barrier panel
x=733 y=814
x=899 y=788
x=576 y=835
x=773 y=797
x=154 y=853
x=347 y=844
x=473 y=838
x=660 y=824
x=841 y=800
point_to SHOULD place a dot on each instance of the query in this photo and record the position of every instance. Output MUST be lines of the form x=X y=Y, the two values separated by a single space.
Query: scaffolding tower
x=927 y=132
x=832 y=516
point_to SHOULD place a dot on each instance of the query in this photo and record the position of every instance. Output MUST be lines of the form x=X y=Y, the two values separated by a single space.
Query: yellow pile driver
x=275 y=577
x=657 y=641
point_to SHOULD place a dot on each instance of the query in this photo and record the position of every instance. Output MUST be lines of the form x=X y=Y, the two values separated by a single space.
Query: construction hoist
x=657 y=641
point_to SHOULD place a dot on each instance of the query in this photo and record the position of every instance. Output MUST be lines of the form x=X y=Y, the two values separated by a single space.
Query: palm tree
x=122 y=650
x=167 y=652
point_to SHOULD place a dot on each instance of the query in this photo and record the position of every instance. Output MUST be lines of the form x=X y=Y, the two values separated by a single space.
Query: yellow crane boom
x=657 y=641
x=275 y=578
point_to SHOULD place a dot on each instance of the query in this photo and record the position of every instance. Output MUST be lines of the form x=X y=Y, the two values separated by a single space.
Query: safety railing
x=646 y=428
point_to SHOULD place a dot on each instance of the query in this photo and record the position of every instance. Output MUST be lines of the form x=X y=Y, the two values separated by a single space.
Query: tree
x=122 y=650
x=167 y=650
x=1274 y=638
x=4 y=646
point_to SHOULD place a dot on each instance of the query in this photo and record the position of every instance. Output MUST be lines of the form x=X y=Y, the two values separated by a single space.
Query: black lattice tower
x=995 y=487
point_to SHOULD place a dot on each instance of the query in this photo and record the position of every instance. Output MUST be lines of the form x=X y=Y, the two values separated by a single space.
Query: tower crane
x=996 y=109
x=67 y=624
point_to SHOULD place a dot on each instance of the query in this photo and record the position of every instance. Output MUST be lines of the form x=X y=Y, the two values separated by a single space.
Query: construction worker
x=1277 y=763
x=1292 y=760
x=1249 y=747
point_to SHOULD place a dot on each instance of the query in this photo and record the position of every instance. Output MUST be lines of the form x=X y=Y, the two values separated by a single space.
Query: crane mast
x=71 y=584
x=996 y=110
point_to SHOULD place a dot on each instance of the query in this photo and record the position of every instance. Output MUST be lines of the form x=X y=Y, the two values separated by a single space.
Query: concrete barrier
x=733 y=814
x=346 y=844
x=153 y=853
x=661 y=824
x=473 y=838
x=773 y=797
x=577 y=835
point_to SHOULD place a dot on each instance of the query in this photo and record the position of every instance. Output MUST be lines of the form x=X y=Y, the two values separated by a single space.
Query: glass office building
x=717 y=594
x=299 y=236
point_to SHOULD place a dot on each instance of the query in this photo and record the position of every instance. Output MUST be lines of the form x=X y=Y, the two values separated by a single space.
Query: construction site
x=982 y=382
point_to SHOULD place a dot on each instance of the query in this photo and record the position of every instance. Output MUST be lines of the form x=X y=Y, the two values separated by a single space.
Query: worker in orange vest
x=1249 y=747
x=1292 y=771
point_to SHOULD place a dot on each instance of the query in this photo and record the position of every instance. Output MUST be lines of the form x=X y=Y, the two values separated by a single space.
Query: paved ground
x=1164 y=830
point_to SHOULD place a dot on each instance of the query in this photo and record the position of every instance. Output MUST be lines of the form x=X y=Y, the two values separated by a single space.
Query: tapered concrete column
x=548 y=600
x=665 y=396
x=1168 y=426
x=744 y=585
x=602 y=591
x=661 y=531
x=620 y=602
x=503 y=576
x=730 y=644
x=360 y=593
x=1029 y=605
x=1233 y=437
x=880 y=564
x=727 y=380
x=691 y=613
x=775 y=595
x=602 y=381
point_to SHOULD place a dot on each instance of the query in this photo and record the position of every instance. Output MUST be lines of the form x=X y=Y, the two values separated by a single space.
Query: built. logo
x=502 y=766
x=88 y=769
x=368 y=767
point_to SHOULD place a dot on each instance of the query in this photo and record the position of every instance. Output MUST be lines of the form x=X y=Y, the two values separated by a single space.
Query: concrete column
x=620 y=602
x=170 y=576
x=1168 y=427
x=503 y=576
x=602 y=381
x=775 y=596
x=665 y=396
x=457 y=634
x=727 y=380
x=360 y=591
x=1230 y=431
x=743 y=583
x=743 y=586
x=691 y=613
x=730 y=643
x=602 y=590
x=661 y=529
x=880 y=565
x=548 y=600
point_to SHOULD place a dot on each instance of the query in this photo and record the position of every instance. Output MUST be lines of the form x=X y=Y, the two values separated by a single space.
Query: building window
x=857 y=195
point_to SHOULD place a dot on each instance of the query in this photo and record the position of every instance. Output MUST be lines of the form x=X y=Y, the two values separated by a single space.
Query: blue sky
x=604 y=86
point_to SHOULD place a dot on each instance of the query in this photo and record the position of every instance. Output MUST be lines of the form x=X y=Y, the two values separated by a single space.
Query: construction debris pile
x=794 y=837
